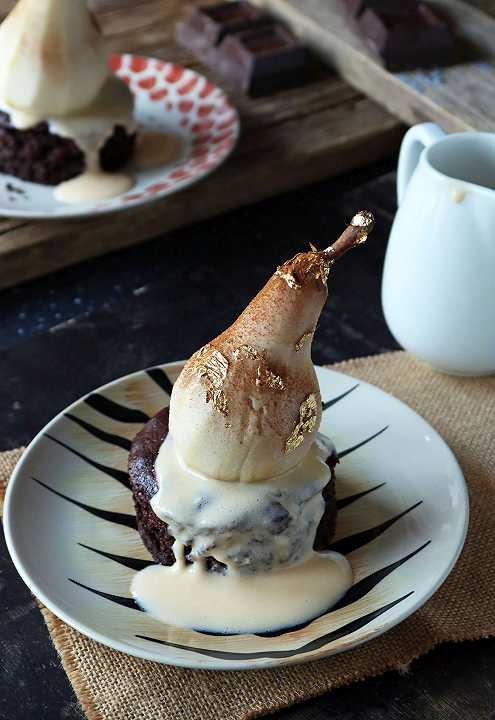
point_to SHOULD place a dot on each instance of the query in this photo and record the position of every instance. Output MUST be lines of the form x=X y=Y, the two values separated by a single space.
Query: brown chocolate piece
x=205 y=27
x=407 y=34
x=263 y=60
x=217 y=21
x=353 y=7
x=392 y=7
x=40 y=156
x=245 y=46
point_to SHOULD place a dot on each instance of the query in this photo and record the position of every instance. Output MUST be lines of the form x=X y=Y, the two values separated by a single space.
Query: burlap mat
x=112 y=686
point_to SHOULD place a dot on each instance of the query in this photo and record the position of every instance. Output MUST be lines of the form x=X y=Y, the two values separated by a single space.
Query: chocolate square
x=204 y=28
x=408 y=35
x=391 y=7
x=263 y=60
x=353 y=7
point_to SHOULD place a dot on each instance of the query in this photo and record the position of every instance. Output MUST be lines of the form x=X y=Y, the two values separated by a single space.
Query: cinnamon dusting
x=265 y=376
x=245 y=351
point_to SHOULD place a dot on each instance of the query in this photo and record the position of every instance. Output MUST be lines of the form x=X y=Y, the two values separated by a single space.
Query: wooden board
x=288 y=140
x=461 y=97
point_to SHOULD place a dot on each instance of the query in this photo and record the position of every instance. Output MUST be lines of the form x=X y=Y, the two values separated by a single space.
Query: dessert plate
x=168 y=98
x=71 y=530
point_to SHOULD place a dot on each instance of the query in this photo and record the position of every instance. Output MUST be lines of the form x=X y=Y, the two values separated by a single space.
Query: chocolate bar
x=262 y=60
x=407 y=34
x=205 y=27
x=245 y=46
x=392 y=7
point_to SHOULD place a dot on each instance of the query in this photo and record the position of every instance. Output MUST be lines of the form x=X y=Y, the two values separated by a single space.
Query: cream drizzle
x=263 y=532
x=254 y=526
x=92 y=186
x=90 y=129
x=190 y=596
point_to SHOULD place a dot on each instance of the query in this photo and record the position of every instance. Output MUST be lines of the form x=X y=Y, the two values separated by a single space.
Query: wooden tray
x=288 y=140
x=461 y=97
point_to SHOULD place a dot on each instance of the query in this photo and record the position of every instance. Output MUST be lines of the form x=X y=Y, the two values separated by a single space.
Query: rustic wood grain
x=282 y=157
x=288 y=139
x=488 y=6
x=461 y=97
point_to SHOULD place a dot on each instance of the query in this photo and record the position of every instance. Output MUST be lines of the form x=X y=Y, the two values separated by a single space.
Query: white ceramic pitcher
x=438 y=288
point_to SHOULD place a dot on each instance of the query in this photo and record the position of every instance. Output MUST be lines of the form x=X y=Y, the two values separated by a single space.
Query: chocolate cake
x=39 y=156
x=154 y=532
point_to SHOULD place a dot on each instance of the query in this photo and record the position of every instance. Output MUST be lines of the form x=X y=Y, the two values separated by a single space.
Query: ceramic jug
x=438 y=289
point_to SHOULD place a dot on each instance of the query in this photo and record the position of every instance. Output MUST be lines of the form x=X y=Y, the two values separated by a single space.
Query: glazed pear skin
x=54 y=58
x=238 y=399
x=247 y=405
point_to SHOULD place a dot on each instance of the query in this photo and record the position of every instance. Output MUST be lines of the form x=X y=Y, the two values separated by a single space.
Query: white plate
x=169 y=98
x=69 y=523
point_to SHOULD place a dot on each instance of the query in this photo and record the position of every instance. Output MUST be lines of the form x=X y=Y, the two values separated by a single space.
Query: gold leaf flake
x=365 y=221
x=219 y=401
x=212 y=372
x=265 y=376
x=246 y=351
x=318 y=267
x=303 y=340
x=308 y=413
x=215 y=367
x=289 y=278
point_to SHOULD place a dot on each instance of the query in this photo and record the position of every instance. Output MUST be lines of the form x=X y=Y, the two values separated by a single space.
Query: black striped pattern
x=106 y=437
x=132 y=563
x=118 y=599
x=115 y=411
x=114 y=517
x=352 y=449
x=122 y=414
x=358 y=540
x=344 y=502
x=366 y=585
x=329 y=403
x=119 y=475
x=161 y=378
x=316 y=644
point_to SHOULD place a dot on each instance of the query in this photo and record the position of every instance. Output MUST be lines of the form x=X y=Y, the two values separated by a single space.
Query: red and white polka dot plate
x=169 y=98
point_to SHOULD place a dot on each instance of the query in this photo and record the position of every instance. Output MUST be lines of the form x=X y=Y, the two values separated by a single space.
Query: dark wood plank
x=265 y=164
x=460 y=97
x=288 y=140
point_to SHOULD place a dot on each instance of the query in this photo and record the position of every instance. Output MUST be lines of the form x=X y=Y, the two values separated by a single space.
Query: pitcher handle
x=415 y=140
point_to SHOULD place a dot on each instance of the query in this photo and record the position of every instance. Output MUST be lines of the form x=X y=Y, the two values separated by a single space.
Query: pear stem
x=355 y=233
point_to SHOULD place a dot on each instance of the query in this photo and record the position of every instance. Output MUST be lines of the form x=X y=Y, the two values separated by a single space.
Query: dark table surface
x=66 y=334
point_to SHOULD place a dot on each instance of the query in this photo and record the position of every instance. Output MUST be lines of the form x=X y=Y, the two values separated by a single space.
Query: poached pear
x=246 y=406
x=53 y=59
